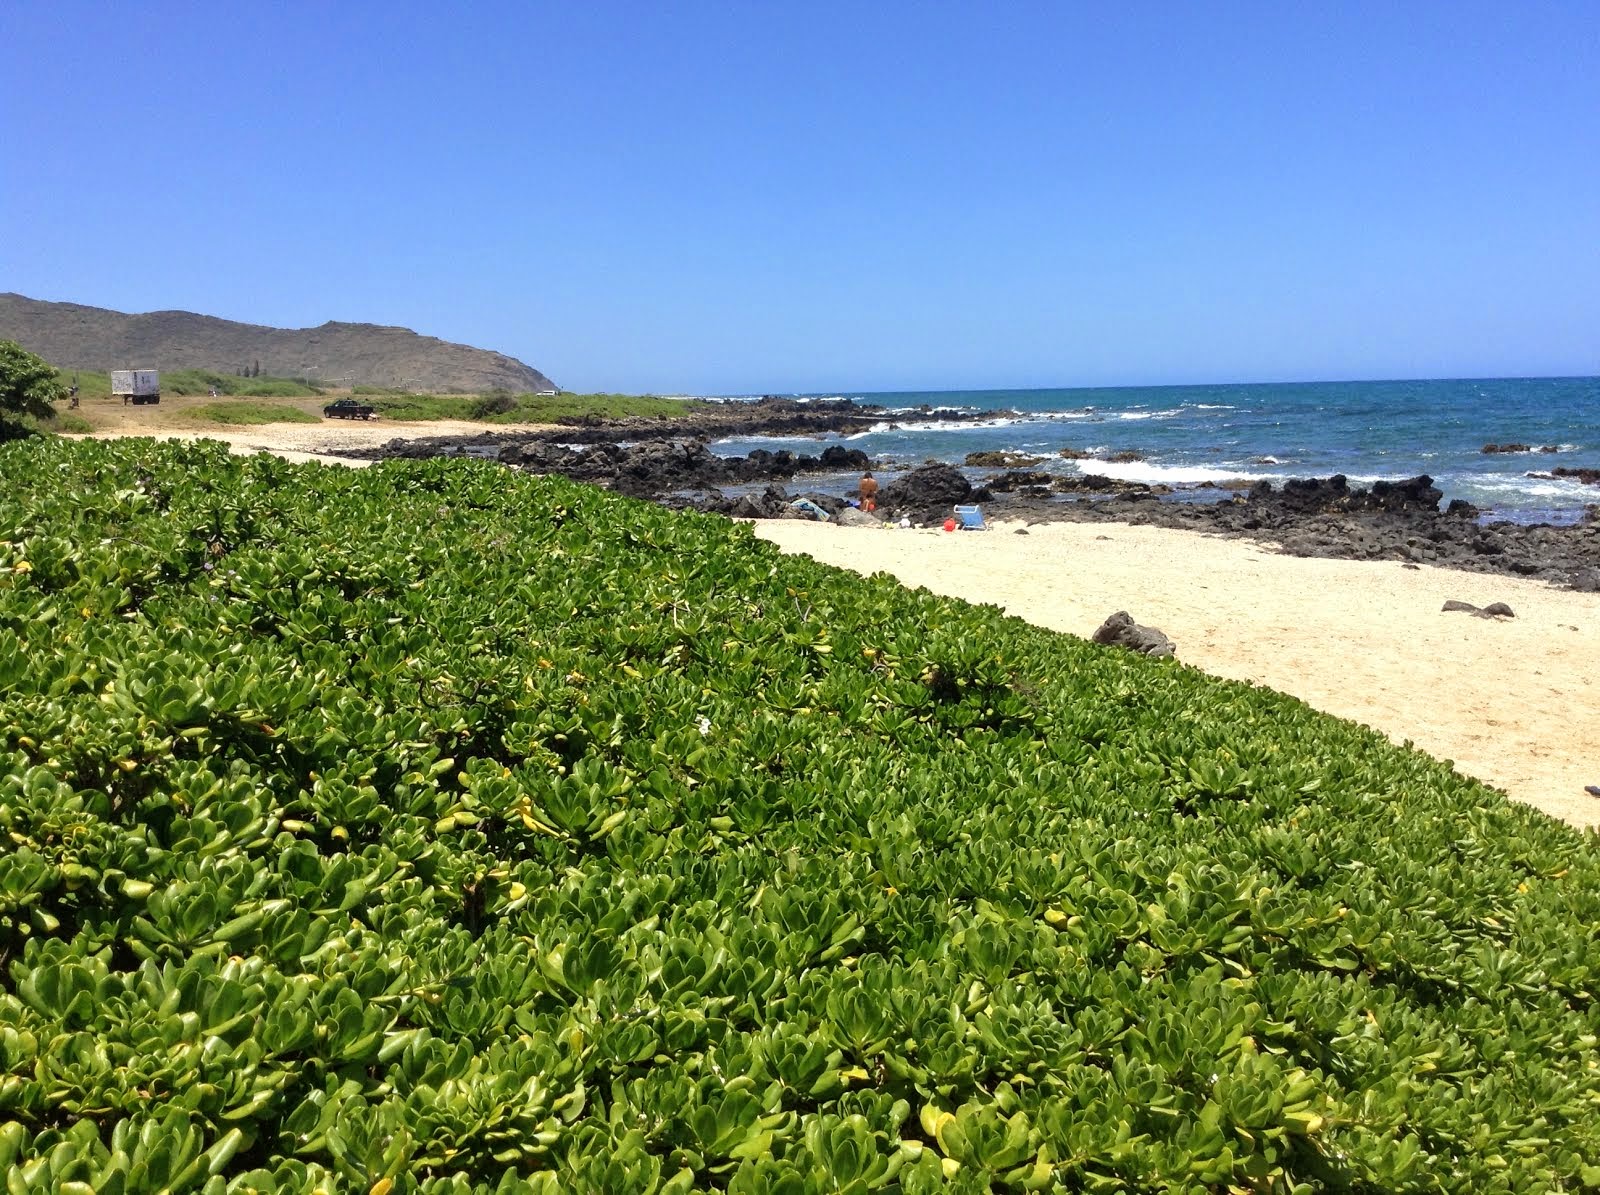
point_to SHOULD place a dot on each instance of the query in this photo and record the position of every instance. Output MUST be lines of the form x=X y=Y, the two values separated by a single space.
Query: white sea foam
x=1167 y=413
x=966 y=425
x=1212 y=406
x=1505 y=483
x=1154 y=474
x=795 y=444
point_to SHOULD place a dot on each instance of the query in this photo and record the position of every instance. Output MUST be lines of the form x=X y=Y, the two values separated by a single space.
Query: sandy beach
x=1513 y=702
x=292 y=441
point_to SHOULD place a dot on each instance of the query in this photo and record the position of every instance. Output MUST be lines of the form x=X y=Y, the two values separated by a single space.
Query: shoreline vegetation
x=441 y=826
x=1472 y=696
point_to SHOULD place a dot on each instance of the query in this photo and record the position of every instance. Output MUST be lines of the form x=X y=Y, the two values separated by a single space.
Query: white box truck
x=138 y=386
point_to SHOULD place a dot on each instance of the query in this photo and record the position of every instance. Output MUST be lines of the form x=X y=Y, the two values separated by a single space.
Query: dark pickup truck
x=348 y=408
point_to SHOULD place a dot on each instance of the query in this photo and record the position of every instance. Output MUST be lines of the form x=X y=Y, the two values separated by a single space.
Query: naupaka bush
x=432 y=827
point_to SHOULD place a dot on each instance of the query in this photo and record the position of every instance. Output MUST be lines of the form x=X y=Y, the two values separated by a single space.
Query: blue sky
x=753 y=197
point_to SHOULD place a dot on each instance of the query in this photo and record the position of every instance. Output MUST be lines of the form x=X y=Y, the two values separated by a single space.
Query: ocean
x=1368 y=431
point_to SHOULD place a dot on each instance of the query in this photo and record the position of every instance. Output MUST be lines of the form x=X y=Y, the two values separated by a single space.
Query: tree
x=28 y=385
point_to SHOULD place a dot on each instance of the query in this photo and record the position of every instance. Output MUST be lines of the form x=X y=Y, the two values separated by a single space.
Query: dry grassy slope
x=70 y=334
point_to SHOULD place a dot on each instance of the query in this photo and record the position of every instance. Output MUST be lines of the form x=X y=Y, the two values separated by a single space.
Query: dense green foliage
x=417 y=406
x=203 y=381
x=575 y=408
x=237 y=412
x=438 y=823
x=28 y=388
x=70 y=422
x=91 y=383
x=526 y=408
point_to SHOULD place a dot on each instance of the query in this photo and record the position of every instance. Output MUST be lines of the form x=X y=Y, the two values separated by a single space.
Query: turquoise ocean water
x=1187 y=434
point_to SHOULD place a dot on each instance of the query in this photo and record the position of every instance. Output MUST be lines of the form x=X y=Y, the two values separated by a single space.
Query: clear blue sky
x=751 y=197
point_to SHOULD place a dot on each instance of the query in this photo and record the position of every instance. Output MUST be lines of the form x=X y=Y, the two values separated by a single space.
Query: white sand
x=1513 y=702
x=307 y=441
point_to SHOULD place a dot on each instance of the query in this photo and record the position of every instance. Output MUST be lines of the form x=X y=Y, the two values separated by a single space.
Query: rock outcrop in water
x=1322 y=517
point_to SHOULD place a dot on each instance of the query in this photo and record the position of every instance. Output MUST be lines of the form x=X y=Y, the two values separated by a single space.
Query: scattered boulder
x=1586 y=580
x=769 y=504
x=1074 y=454
x=1123 y=456
x=1120 y=630
x=836 y=456
x=927 y=492
x=1491 y=448
x=850 y=516
x=1492 y=610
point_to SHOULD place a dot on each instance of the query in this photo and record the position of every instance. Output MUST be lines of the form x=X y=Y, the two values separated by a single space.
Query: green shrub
x=29 y=388
x=203 y=381
x=91 y=383
x=495 y=402
x=242 y=412
x=424 y=407
x=435 y=826
x=578 y=408
x=72 y=424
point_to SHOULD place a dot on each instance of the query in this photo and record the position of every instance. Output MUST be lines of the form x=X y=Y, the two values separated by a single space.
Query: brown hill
x=74 y=336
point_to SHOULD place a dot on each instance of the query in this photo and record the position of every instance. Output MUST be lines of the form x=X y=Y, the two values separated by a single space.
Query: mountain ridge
x=338 y=352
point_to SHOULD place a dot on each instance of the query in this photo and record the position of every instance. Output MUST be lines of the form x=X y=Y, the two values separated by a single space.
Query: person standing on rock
x=869 y=492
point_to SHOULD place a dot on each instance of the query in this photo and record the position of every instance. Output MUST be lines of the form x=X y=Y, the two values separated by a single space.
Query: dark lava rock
x=1121 y=631
x=1002 y=460
x=1074 y=454
x=1492 y=610
x=1333 y=494
x=1020 y=479
x=837 y=457
x=1124 y=456
x=1586 y=580
x=1089 y=482
x=1518 y=448
x=1587 y=476
x=926 y=493
x=771 y=503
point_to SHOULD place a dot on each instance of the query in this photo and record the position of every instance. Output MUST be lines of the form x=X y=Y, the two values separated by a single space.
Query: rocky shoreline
x=669 y=461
